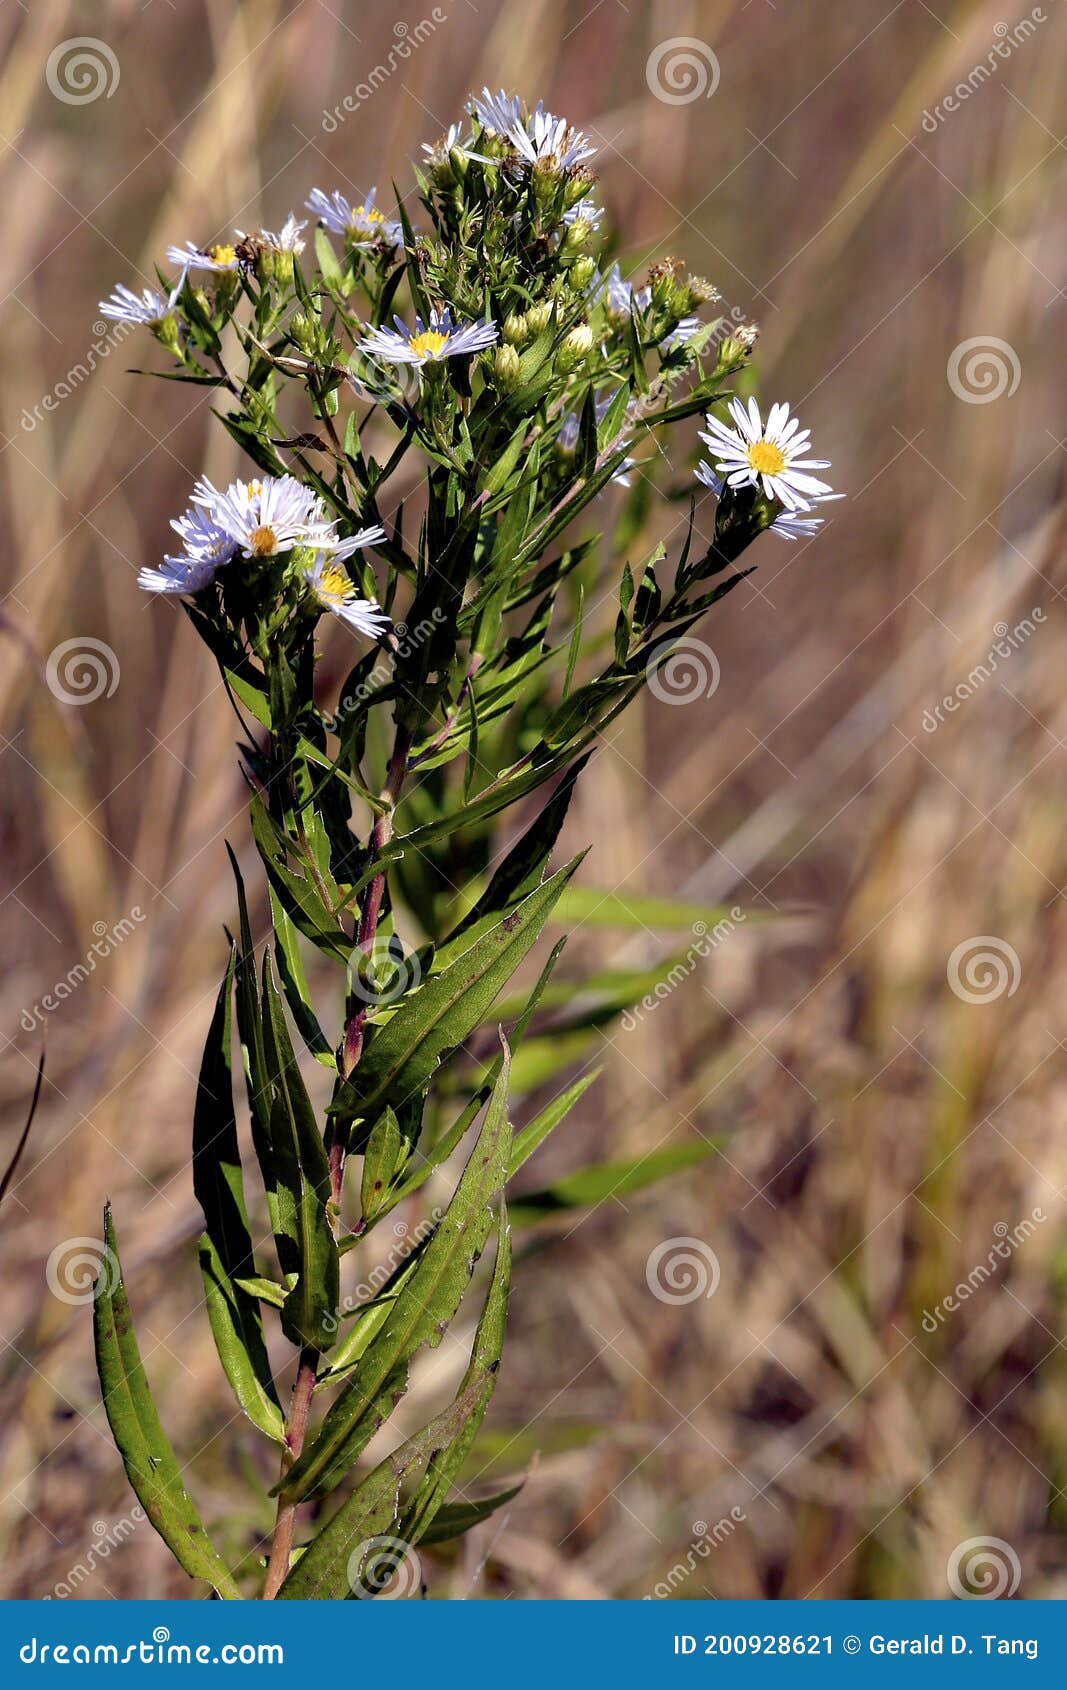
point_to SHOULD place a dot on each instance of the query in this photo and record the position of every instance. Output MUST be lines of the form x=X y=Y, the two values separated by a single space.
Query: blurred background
x=863 y=1375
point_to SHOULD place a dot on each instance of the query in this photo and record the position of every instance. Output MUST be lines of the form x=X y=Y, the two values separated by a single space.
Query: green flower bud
x=506 y=366
x=582 y=272
x=302 y=330
x=167 y=332
x=515 y=328
x=538 y=317
x=576 y=346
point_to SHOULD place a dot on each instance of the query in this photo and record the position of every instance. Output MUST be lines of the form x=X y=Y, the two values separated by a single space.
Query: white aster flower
x=148 y=308
x=222 y=256
x=441 y=338
x=452 y=141
x=287 y=238
x=267 y=517
x=539 y=137
x=361 y=225
x=333 y=590
x=791 y=526
x=750 y=454
x=206 y=547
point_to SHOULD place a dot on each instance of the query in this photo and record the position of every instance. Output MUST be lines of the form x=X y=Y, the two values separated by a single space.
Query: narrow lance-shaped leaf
x=226 y=1248
x=422 y=1311
x=432 y=1493
x=305 y=1238
x=609 y=1179
x=332 y=1568
x=149 y=1460
x=404 y=1052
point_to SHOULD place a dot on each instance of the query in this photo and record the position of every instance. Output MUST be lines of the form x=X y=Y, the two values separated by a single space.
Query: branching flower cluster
x=433 y=404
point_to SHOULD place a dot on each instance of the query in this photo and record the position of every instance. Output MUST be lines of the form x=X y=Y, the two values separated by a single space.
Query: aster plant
x=435 y=407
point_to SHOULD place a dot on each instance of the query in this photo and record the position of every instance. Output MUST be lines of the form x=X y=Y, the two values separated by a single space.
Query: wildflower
x=438 y=153
x=752 y=454
x=441 y=338
x=622 y=299
x=361 y=225
x=206 y=548
x=332 y=589
x=570 y=427
x=189 y=257
x=539 y=137
x=267 y=517
x=793 y=527
x=148 y=308
x=287 y=238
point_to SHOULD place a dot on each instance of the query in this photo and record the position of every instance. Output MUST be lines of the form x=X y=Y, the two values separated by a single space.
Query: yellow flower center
x=264 y=542
x=430 y=344
x=333 y=584
x=222 y=254
x=367 y=214
x=766 y=458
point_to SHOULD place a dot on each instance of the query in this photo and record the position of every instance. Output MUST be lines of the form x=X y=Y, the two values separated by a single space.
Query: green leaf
x=455 y=1518
x=422 y=1311
x=299 y=897
x=536 y=1131
x=250 y=1033
x=149 y=1460
x=295 y=986
x=591 y=907
x=306 y=1243
x=379 y=1163
x=430 y=1497
x=610 y=1179
x=517 y=875
x=404 y=1052
x=329 y=1570
x=226 y=1248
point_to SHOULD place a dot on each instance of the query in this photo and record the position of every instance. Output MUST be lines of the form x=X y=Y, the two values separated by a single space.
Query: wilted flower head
x=287 y=238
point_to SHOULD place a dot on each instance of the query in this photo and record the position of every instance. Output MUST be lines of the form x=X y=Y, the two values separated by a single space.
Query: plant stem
x=300 y=1408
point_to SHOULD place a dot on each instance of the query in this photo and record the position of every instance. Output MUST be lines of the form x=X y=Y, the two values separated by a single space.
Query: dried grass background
x=876 y=1129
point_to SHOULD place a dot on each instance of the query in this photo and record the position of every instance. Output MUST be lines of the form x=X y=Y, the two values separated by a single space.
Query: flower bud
x=579 y=183
x=576 y=346
x=506 y=366
x=575 y=236
x=538 y=317
x=167 y=332
x=302 y=330
x=515 y=328
x=582 y=272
